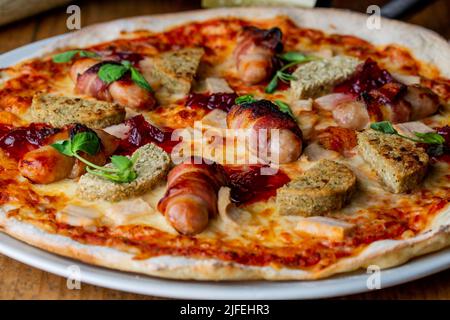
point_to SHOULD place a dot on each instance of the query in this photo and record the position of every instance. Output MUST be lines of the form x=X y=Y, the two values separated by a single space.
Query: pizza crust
x=384 y=253
x=425 y=44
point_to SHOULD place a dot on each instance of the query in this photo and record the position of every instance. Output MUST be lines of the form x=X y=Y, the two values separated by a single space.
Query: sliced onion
x=119 y=130
x=301 y=105
x=216 y=118
x=75 y=215
x=331 y=101
x=408 y=128
x=228 y=212
x=315 y=151
x=406 y=79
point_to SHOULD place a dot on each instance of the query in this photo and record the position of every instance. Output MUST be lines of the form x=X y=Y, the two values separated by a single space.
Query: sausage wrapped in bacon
x=387 y=103
x=191 y=196
x=46 y=164
x=123 y=91
x=373 y=94
x=263 y=114
x=424 y=102
x=255 y=53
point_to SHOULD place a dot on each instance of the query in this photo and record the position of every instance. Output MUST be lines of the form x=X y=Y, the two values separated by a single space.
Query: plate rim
x=341 y=285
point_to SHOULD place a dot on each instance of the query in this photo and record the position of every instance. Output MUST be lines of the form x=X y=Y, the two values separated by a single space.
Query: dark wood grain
x=19 y=281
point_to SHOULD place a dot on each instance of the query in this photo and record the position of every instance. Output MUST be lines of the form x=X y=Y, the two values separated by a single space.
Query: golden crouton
x=151 y=168
x=399 y=163
x=60 y=110
x=173 y=72
x=319 y=76
x=325 y=187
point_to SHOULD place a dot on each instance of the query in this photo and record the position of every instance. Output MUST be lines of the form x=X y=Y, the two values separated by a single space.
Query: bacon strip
x=255 y=53
x=90 y=84
x=191 y=196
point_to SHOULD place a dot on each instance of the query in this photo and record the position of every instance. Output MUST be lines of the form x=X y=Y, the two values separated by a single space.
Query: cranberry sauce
x=142 y=132
x=222 y=101
x=440 y=152
x=368 y=76
x=18 y=141
x=248 y=185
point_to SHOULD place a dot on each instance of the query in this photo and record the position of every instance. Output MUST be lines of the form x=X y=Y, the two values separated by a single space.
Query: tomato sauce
x=337 y=139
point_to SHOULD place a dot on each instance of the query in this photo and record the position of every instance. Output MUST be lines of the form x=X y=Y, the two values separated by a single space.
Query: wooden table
x=19 y=281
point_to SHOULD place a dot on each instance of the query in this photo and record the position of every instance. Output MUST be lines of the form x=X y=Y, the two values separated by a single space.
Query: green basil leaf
x=284 y=107
x=121 y=162
x=86 y=142
x=134 y=157
x=126 y=64
x=111 y=72
x=430 y=137
x=119 y=177
x=248 y=98
x=127 y=175
x=139 y=79
x=286 y=77
x=273 y=84
x=294 y=56
x=87 y=54
x=64 y=147
x=383 y=126
x=69 y=55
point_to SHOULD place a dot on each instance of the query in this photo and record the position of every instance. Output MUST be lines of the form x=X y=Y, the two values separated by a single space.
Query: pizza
x=230 y=144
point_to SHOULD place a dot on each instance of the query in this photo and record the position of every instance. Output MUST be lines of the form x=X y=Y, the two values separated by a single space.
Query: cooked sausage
x=191 y=196
x=384 y=97
x=263 y=114
x=351 y=115
x=124 y=91
x=255 y=51
x=127 y=93
x=81 y=66
x=424 y=102
x=45 y=165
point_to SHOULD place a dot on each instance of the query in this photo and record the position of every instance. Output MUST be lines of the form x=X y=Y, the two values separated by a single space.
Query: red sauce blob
x=445 y=132
x=141 y=133
x=248 y=185
x=337 y=139
x=440 y=153
x=368 y=76
x=222 y=101
x=18 y=141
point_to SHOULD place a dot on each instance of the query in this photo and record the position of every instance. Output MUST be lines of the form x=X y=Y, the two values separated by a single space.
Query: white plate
x=336 y=286
x=345 y=284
